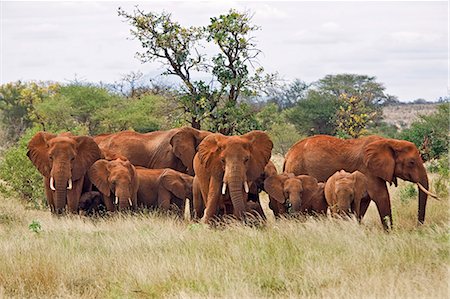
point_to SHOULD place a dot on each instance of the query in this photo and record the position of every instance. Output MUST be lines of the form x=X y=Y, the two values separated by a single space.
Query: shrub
x=20 y=174
x=430 y=133
x=283 y=136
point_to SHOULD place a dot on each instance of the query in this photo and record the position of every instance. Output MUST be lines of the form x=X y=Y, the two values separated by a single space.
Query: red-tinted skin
x=160 y=149
x=344 y=192
x=231 y=160
x=303 y=192
x=161 y=188
x=380 y=159
x=115 y=178
x=64 y=157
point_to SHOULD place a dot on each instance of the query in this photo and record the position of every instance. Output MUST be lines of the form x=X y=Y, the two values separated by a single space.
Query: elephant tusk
x=426 y=191
x=117 y=200
x=224 y=188
x=246 y=187
x=52 y=184
x=129 y=200
x=70 y=184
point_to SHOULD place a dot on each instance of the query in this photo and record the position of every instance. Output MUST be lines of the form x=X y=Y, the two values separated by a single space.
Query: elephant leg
x=49 y=195
x=378 y=192
x=108 y=203
x=164 y=197
x=212 y=201
x=73 y=196
x=273 y=205
x=364 y=205
x=198 y=205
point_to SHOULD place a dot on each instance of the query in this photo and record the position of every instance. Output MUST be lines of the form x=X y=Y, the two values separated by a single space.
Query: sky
x=403 y=44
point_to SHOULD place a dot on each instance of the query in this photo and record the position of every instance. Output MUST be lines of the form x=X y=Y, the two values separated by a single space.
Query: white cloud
x=403 y=44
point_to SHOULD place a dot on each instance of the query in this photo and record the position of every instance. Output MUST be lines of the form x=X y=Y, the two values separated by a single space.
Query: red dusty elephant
x=160 y=149
x=345 y=191
x=295 y=194
x=118 y=182
x=380 y=159
x=63 y=160
x=163 y=188
x=224 y=168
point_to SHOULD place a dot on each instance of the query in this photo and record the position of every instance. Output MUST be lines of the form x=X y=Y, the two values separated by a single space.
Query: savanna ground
x=150 y=255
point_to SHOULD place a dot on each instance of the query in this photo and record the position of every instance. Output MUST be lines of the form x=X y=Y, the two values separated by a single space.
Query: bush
x=314 y=115
x=430 y=133
x=20 y=174
x=283 y=136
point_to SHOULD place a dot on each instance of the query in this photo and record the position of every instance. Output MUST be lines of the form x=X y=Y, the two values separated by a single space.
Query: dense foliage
x=430 y=133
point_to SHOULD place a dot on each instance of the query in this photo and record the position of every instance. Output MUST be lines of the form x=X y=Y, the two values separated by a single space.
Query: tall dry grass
x=151 y=256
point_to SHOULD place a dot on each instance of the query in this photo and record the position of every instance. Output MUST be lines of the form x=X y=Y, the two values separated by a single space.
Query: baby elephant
x=344 y=192
x=289 y=193
x=162 y=188
x=117 y=181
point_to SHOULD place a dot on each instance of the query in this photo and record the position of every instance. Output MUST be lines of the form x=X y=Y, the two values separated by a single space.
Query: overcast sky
x=403 y=44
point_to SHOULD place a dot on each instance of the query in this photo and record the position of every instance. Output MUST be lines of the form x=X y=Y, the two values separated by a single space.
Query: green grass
x=151 y=256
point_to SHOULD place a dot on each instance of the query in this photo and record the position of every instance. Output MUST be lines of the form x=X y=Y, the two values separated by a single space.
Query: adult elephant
x=63 y=160
x=163 y=188
x=224 y=168
x=295 y=194
x=160 y=149
x=344 y=192
x=118 y=182
x=380 y=159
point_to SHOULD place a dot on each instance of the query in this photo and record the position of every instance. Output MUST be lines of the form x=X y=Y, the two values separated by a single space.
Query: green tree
x=287 y=96
x=17 y=103
x=178 y=48
x=314 y=115
x=430 y=133
x=353 y=116
x=362 y=86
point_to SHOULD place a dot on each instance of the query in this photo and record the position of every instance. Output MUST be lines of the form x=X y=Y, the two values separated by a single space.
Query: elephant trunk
x=60 y=184
x=423 y=180
x=60 y=180
x=296 y=202
x=237 y=198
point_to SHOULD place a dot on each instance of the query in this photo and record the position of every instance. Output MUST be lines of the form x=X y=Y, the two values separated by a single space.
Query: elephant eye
x=222 y=160
x=246 y=159
x=412 y=162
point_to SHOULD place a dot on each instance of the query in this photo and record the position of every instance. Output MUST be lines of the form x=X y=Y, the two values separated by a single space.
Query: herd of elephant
x=223 y=175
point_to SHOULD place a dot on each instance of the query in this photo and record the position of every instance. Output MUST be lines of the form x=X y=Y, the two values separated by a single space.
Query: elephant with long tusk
x=225 y=167
x=381 y=160
x=63 y=160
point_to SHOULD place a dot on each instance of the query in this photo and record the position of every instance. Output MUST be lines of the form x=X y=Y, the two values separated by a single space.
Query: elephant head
x=116 y=179
x=390 y=159
x=344 y=192
x=62 y=159
x=177 y=183
x=288 y=189
x=184 y=145
x=234 y=161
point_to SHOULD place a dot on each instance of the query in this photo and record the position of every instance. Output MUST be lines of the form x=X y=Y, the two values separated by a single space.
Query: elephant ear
x=209 y=149
x=38 y=152
x=98 y=174
x=379 y=159
x=274 y=186
x=87 y=153
x=184 y=145
x=261 y=151
x=172 y=180
x=134 y=177
x=310 y=186
x=360 y=182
